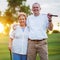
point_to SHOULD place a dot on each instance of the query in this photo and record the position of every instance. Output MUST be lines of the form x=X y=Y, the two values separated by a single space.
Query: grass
x=53 y=47
x=4 y=53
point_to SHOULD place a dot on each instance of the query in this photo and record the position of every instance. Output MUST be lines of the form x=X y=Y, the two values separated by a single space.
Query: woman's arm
x=10 y=44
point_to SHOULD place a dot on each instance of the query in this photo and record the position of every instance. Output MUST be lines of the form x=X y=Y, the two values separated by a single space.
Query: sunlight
x=1 y=27
x=50 y=32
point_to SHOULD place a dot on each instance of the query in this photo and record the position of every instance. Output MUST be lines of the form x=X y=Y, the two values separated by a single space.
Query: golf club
x=10 y=55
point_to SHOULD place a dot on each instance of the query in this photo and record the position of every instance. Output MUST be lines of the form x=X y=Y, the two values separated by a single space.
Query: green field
x=53 y=47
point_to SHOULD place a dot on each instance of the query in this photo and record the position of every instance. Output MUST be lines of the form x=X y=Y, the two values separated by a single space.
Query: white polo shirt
x=20 y=40
x=37 y=26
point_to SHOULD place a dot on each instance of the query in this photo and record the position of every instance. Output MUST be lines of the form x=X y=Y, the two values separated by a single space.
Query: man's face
x=36 y=8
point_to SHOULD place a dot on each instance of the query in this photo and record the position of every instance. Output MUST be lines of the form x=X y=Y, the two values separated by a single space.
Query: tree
x=15 y=6
x=0 y=13
x=19 y=4
x=11 y=13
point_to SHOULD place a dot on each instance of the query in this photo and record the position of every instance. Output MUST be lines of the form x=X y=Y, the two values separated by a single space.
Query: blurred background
x=9 y=10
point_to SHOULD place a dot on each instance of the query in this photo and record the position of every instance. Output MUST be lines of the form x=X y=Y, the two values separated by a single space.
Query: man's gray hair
x=35 y=3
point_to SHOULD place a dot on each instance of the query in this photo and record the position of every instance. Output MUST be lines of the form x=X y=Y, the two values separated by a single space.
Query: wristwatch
x=50 y=20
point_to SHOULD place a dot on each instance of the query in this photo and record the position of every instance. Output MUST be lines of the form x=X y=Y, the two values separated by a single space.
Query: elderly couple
x=29 y=36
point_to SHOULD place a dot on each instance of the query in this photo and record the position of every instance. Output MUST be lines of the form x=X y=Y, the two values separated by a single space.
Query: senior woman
x=19 y=39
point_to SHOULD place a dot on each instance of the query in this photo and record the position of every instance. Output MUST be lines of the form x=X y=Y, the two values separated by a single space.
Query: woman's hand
x=9 y=47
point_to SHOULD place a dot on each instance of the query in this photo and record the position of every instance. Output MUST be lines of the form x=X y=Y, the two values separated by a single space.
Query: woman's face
x=22 y=20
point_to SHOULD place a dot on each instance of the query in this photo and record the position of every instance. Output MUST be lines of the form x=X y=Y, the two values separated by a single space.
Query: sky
x=3 y=5
x=47 y=6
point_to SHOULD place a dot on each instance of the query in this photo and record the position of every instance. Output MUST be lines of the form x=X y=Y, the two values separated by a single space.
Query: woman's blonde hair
x=22 y=13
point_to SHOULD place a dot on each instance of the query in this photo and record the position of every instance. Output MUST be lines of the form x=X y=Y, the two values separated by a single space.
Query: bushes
x=56 y=31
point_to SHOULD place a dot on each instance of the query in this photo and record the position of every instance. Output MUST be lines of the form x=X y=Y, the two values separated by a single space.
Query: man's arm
x=50 y=26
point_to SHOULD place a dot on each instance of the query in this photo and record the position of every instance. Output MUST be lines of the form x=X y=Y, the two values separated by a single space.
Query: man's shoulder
x=30 y=16
x=42 y=14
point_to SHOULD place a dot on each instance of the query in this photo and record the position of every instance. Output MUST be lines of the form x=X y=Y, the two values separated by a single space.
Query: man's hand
x=49 y=17
x=14 y=26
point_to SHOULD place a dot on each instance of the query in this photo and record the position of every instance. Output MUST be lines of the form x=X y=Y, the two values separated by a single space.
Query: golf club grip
x=54 y=15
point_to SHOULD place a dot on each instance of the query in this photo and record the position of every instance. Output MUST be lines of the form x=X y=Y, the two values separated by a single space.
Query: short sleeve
x=11 y=34
x=12 y=30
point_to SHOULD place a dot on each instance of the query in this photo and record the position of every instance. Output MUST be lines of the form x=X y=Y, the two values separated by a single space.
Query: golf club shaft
x=54 y=15
x=10 y=55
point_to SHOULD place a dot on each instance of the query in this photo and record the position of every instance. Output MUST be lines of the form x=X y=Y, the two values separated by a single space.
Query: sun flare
x=1 y=27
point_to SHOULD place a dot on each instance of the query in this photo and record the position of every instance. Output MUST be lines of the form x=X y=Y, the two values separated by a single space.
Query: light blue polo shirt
x=37 y=26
